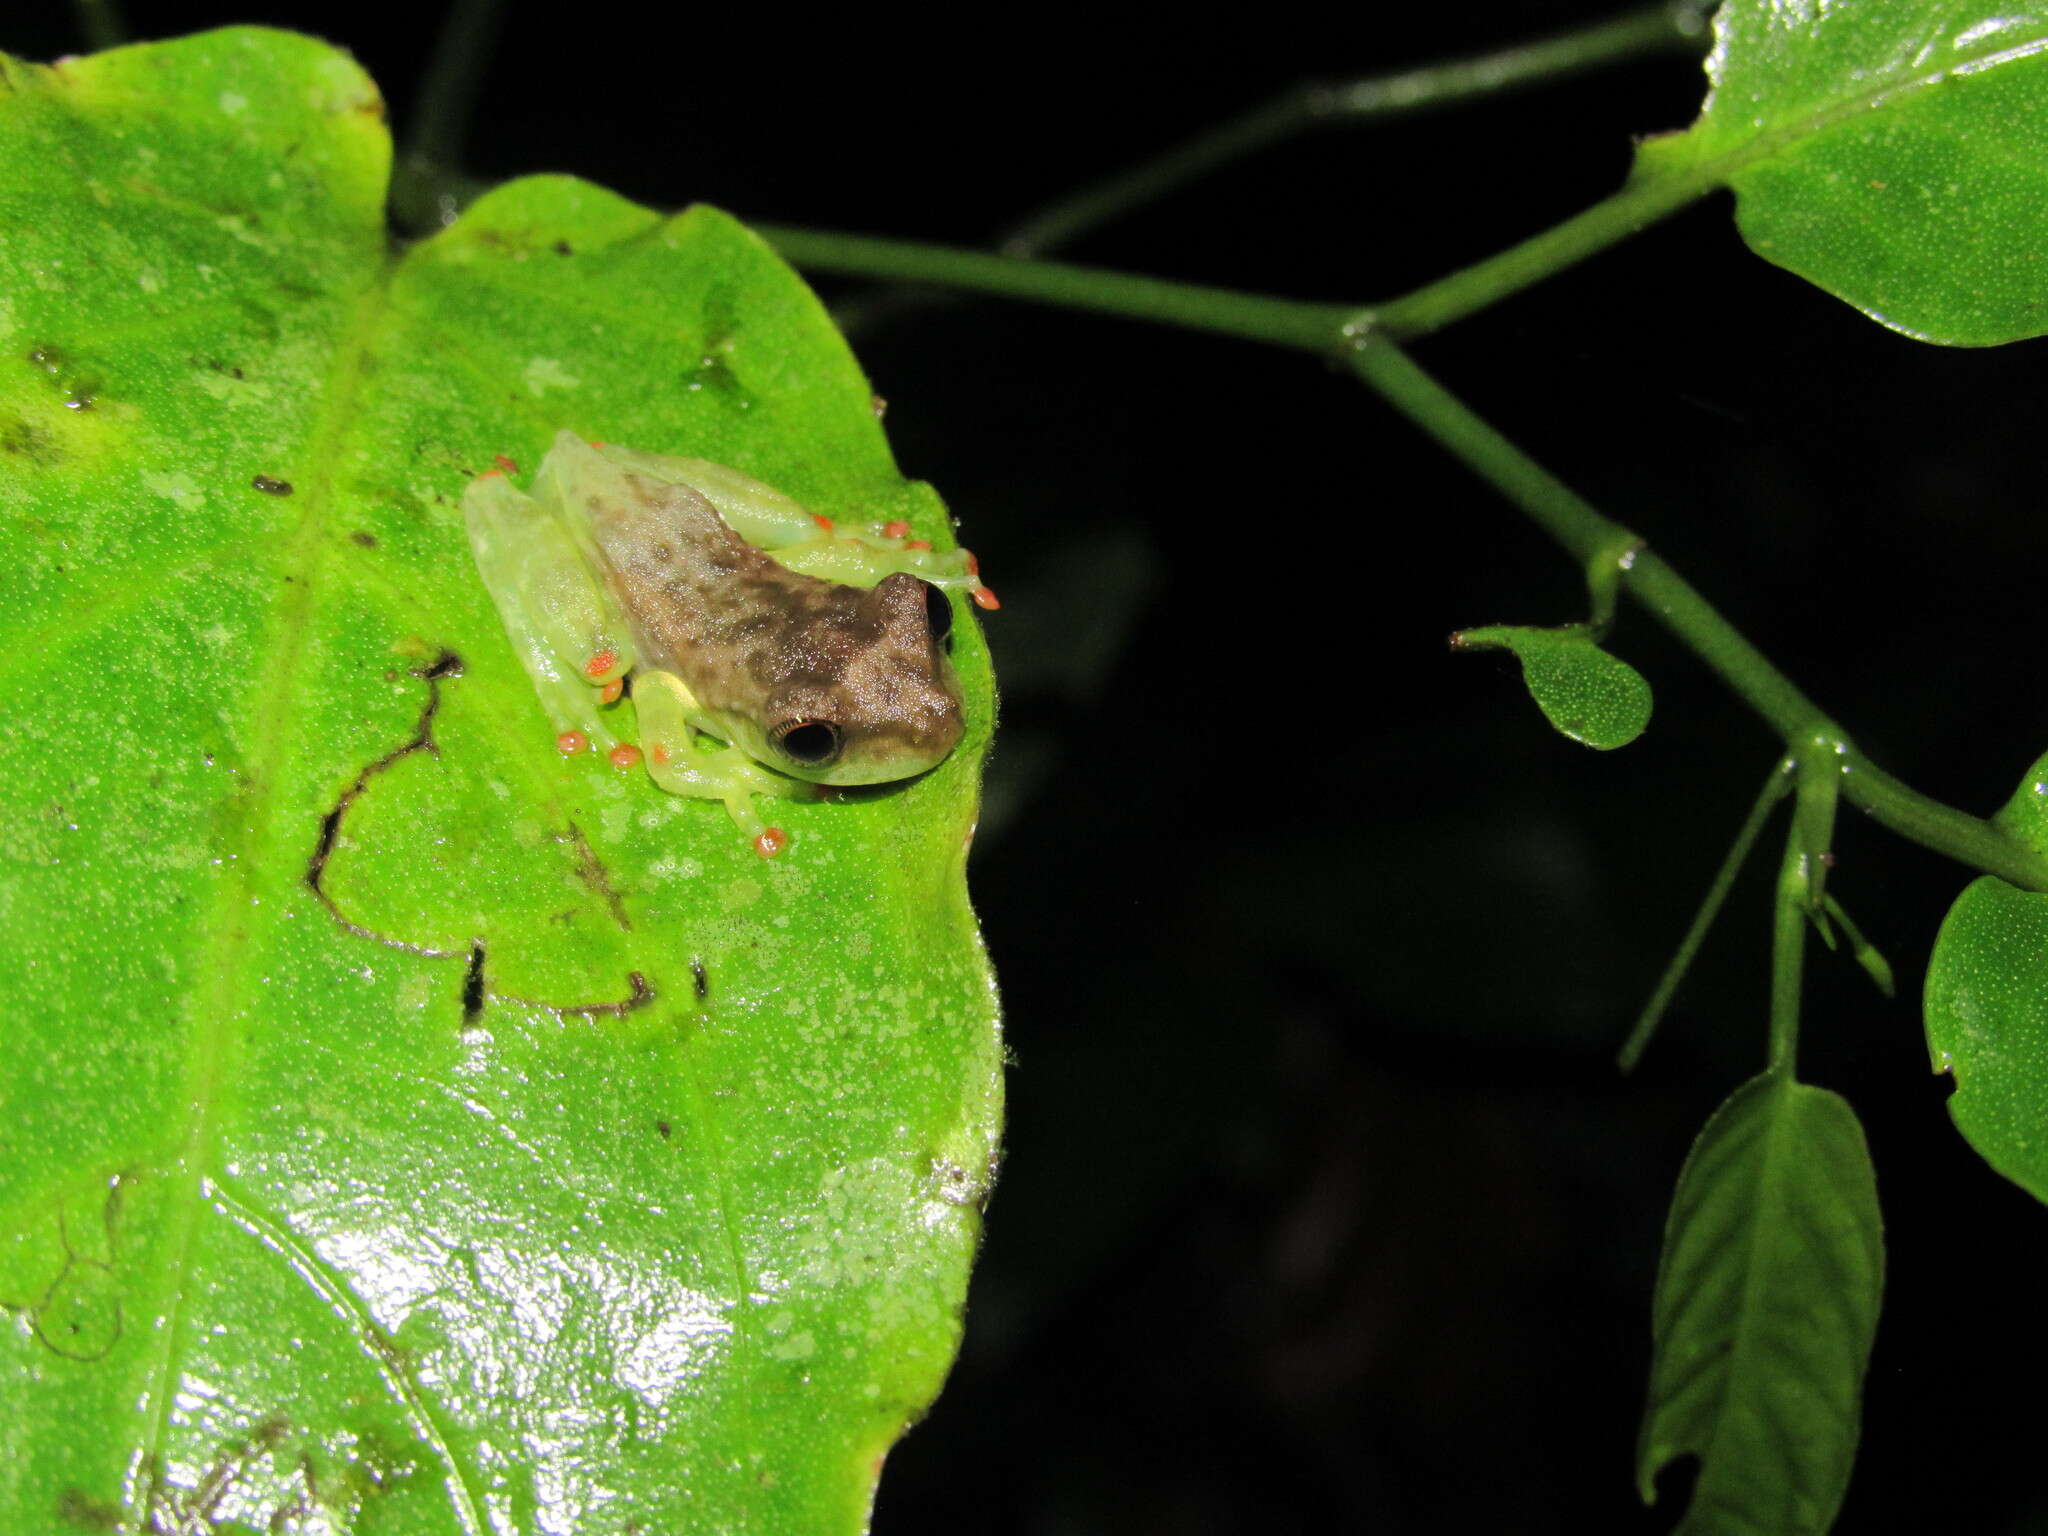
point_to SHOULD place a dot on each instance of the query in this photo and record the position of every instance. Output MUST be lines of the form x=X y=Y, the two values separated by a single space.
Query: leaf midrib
x=251 y=851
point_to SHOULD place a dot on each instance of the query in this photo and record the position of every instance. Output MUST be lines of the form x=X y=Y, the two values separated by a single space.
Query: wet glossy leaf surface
x=1589 y=695
x=1894 y=154
x=410 y=1130
x=1767 y=1302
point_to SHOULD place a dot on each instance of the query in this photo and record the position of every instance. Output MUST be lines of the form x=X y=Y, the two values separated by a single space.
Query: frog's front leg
x=680 y=764
x=565 y=630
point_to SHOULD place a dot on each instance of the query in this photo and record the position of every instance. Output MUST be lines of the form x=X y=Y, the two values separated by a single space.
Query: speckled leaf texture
x=403 y=1129
x=1767 y=1302
x=1895 y=152
x=1987 y=1006
x=1591 y=696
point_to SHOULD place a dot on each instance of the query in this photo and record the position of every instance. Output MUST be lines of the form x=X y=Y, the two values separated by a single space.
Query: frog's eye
x=813 y=743
x=938 y=613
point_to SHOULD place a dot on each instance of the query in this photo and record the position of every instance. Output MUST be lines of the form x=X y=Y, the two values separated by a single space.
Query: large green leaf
x=405 y=1129
x=1894 y=153
x=1767 y=1301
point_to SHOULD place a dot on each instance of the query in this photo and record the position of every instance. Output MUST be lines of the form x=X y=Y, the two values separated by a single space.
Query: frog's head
x=883 y=705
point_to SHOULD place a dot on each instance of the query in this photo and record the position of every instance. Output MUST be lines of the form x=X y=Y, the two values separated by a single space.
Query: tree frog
x=814 y=653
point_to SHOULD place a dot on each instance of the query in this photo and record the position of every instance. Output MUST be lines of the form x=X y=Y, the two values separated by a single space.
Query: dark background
x=1324 y=1205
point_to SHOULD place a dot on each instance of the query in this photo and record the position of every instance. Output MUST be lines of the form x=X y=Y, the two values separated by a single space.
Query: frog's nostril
x=813 y=743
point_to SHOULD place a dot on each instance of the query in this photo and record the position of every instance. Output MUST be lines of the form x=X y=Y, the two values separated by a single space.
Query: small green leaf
x=1987 y=1006
x=1987 y=1024
x=1895 y=154
x=1587 y=694
x=1767 y=1300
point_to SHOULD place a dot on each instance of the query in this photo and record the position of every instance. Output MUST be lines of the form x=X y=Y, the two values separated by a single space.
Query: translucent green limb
x=1776 y=787
x=801 y=540
x=680 y=764
x=561 y=625
x=857 y=555
x=855 y=560
x=758 y=513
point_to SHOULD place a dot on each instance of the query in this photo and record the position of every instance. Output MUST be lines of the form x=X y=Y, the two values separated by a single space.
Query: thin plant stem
x=1283 y=322
x=1653 y=29
x=1776 y=787
x=1791 y=914
x=1369 y=351
x=1662 y=28
x=1865 y=953
x=1569 y=519
x=1613 y=219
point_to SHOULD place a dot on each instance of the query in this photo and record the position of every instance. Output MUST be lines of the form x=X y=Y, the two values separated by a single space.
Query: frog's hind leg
x=564 y=630
x=680 y=764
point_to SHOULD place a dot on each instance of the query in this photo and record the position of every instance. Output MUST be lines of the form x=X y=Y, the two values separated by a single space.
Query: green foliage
x=417 y=1131
x=496 y=1141
x=1987 y=1006
x=1987 y=1024
x=1896 y=154
x=1766 y=1306
x=1589 y=695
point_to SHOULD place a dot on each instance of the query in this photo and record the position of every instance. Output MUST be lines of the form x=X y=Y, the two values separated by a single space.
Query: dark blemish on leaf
x=167 y=1507
x=473 y=985
x=49 y=359
x=475 y=991
x=640 y=996
x=879 y=406
x=447 y=664
x=663 y=1129
x=18 y=435
x=270 y=487
x=82 y=398
x=591 y=871
x=78 y=1315
x=76 y=1507
x=699 y=978
x=563 y=248
x=366 y=540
